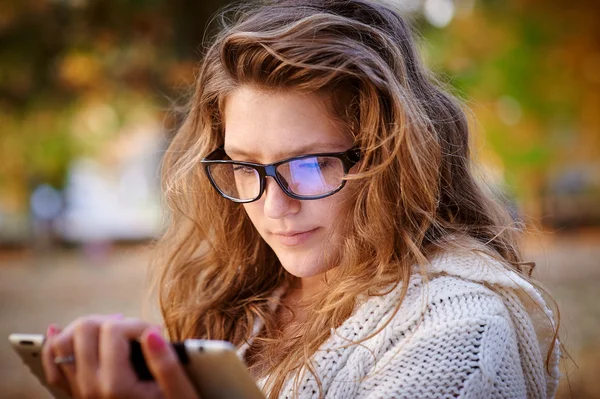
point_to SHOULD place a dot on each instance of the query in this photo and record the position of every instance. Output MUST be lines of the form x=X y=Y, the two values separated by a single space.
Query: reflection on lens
x=312 y=176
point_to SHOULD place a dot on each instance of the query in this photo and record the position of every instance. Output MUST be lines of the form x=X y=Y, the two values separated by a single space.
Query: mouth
x=293 y=238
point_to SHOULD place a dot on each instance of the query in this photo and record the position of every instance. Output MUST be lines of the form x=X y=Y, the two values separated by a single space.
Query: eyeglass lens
x=310 y=177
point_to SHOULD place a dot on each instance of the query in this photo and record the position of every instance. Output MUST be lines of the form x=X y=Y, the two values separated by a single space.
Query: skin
x=266 y=127
x=103 y=341
x=260 y=127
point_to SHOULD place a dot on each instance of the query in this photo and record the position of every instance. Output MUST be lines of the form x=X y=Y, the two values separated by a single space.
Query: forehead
x=268 y=126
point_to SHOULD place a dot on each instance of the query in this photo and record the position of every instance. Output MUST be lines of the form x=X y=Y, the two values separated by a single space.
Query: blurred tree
x=74 y=72
x=71 y=72
x=530 y=71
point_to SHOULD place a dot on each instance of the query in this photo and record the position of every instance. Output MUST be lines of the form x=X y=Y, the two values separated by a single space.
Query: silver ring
x=64 y=359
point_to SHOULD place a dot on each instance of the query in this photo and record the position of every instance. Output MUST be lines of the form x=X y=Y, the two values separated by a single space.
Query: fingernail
x=116 y=316
x=156 y=343
x=51 y=330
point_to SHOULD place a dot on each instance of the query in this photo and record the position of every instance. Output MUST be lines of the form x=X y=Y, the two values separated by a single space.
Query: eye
x=324 y=163
x=243 y=170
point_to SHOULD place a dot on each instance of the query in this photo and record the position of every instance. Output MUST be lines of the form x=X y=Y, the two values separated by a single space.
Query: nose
x=277 y=203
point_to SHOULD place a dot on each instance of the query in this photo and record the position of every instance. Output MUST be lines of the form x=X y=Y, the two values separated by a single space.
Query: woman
x=324 y=220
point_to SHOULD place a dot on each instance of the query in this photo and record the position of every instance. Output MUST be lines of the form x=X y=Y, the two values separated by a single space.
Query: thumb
x=164 y=365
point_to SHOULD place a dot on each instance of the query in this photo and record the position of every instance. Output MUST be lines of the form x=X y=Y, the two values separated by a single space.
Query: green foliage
x=521 y=72
x=72 y=73
x=63 y=62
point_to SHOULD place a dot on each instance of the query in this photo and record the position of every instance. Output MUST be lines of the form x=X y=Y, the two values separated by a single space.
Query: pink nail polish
x=156 y=343
x=51 y=330
x=116 y=316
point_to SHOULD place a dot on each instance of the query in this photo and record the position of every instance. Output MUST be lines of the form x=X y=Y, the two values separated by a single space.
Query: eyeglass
x=306 y=177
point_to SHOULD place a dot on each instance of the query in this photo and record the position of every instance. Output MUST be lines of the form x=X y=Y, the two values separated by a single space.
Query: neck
x=304 y=289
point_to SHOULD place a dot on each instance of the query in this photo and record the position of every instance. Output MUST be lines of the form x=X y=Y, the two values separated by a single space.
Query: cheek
x=340 y=204
x=254 y=213
x=340 y=213
x=331 y=213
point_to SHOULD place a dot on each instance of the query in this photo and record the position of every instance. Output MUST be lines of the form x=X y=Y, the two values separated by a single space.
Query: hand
x=100 y=346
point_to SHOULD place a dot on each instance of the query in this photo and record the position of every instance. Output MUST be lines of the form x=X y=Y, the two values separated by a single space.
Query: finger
x=115 y=367
x=62 y=344
x=85 y=345
x=98 y=318
x=164 y=365
x=54 y=376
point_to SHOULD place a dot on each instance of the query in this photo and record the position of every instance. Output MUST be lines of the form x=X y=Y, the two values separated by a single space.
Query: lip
x=293 y=238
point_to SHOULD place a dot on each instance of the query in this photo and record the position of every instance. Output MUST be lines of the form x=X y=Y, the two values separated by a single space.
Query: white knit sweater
x=474 y=330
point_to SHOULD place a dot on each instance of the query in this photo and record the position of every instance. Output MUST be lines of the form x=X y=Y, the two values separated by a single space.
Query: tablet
x=213 y=367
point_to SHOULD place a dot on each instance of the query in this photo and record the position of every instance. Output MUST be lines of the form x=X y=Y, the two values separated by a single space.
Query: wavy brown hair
x=413 y=189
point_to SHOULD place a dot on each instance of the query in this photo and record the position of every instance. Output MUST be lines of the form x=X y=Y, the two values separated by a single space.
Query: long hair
x=413 y=189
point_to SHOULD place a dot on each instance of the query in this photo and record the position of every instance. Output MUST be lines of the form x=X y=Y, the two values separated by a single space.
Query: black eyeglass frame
x=349 y=158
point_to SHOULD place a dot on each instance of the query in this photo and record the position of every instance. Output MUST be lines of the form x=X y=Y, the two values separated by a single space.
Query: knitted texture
x=465 y=333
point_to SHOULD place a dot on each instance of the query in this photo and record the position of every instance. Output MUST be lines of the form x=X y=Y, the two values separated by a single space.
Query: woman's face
x=266 y=127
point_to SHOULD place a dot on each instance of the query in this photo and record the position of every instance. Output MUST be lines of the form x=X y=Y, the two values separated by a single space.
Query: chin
x=303 y=273
x=301 y=267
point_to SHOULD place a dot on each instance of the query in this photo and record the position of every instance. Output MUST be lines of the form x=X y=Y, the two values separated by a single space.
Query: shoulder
x=463 y=314
x=453 y=298
x=461 y=342
x=436 y=305
x=467 y=284
x=438 y=301
x=449 y=337
x=454 y=333
x=452 y=286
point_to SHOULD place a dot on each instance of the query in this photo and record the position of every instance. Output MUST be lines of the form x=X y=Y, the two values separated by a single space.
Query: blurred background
x=86 y=93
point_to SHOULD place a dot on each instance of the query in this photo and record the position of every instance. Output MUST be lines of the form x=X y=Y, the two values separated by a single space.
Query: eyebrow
x=313 y=148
